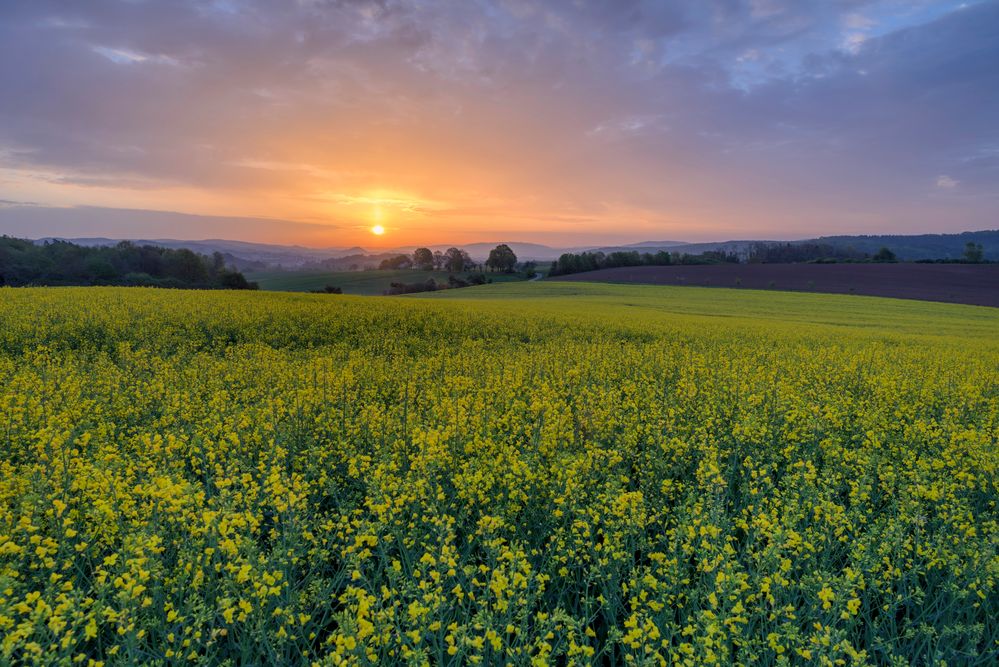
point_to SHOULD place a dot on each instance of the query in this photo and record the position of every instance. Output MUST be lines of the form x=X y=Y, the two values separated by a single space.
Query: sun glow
x=377 y=230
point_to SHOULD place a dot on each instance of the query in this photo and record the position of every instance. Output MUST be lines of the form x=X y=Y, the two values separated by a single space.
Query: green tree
x=456 y=260
x=423 y=259
x=218 y=262
x=63 y=263
x=186 y=266
x=502 y=258
x=974 y=253
x=397 y=262
x=884 y=255
x=235 y=280
x=101 y=269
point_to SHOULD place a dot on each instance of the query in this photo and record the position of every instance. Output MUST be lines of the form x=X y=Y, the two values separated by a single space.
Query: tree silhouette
x=502 y=258
x=423 y=259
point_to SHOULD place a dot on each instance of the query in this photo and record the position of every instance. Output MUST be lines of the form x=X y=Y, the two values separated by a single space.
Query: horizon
x=382 y=249
x=385 y=125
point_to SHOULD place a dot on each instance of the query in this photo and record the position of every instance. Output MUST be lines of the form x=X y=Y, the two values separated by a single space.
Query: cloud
x=945 y=182
x=128 y=57
x=854 y=41
x=629 y=126
x=856 y=21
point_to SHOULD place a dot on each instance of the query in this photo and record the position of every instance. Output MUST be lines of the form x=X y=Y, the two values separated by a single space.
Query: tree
x=185 y=265
x=438 y=260
x=235 y=280
x=218 y=262
x=329 y=289
x=423 y=259
x=884 y=255
x=974 y=253
x=397 y=262
x=502 y=258
x=455 y=260
x=63 y=263
x=101 y=269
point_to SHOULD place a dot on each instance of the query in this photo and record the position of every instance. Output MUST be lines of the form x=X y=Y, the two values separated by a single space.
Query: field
x=369 y=283
x=976 y=284
x=525 y=473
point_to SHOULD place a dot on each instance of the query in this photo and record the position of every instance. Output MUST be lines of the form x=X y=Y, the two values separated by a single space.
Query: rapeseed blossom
x=206 y=478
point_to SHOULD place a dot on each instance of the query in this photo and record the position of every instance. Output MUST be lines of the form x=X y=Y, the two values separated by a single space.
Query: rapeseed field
x=522 y=474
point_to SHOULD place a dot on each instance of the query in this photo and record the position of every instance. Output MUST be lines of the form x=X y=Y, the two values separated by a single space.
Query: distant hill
x=655 y=244
x=921 y=246
x=739 y=247
x=292 y=256
x=906 y=247
x=242 y=252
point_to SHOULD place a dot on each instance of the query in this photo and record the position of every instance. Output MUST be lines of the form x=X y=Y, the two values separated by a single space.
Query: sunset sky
x=562 y=122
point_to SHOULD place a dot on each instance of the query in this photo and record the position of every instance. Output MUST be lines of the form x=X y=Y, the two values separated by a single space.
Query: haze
x=575 y=123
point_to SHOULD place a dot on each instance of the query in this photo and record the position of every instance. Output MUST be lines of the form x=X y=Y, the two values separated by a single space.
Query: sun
x=377 y=230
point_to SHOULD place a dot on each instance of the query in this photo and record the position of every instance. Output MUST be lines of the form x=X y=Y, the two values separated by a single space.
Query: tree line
x=431 y=285
x=789 y=253
x=24 y=262
x=455 y=260
x=592 y=261
x=758 y=253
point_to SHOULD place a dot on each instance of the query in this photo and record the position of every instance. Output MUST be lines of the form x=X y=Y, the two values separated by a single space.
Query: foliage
x=430 y=285
x=24 y=262
x=592 y=261
x=974 y=253
x=423 y=259
x=368 y=283
x=457 y=260
x=781 y=253
x=527 y=473
x=397 y=262
x=884 y=255
x=472 y=280
x=502 y=258
x=911 y=248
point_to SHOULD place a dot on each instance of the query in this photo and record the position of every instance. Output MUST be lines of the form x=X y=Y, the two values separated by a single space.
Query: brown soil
x=976 y=284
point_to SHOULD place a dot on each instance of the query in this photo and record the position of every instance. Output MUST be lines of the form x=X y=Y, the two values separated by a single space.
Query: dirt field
x=976 y=284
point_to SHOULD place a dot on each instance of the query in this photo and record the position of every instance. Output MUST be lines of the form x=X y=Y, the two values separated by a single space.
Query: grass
x=364 y=283
x=638 y=305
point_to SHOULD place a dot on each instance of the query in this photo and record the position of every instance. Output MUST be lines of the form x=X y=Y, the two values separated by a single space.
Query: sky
x=567 y=122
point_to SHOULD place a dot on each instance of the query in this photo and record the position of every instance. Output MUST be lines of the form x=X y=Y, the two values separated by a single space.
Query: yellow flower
x=827 y=597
